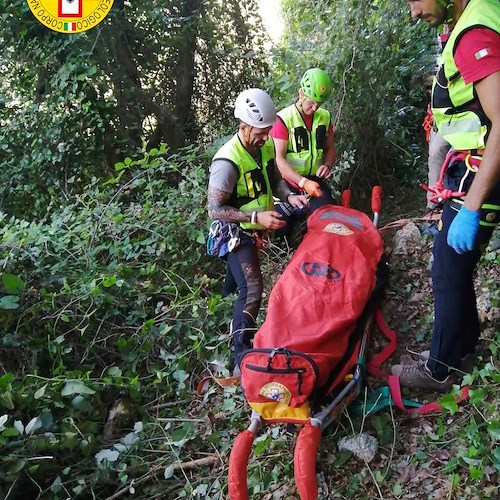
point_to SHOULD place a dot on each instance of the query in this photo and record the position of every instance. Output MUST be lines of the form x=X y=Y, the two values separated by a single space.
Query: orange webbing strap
x=223 y=382
x=304 y=462
x=238 y=460
x=373 y=368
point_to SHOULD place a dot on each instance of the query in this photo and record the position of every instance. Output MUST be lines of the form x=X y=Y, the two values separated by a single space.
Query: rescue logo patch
x=337 y=228
x=276 y=392
x=70 y=16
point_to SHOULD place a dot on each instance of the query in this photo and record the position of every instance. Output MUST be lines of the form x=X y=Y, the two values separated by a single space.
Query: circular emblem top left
x=70 y=16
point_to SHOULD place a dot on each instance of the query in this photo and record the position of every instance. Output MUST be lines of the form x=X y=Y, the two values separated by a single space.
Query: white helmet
x=256 y=108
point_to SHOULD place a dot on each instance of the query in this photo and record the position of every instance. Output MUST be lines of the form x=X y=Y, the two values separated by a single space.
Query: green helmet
x=316 y=84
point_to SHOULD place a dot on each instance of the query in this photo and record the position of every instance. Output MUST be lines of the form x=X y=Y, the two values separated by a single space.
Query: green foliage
x=479 y=438
x=372 y=54
x=109 y=300
x=151 y=72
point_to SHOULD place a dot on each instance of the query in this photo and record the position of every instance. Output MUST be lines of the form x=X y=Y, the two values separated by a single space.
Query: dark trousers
x=292 y=215
x=456 y=323
x=243 y=275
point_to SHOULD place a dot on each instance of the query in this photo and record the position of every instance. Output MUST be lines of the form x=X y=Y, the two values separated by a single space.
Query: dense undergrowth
x=111 y=312
x=106 y=307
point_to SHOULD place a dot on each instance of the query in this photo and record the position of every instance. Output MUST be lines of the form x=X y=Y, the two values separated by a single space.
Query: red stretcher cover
x=316 y=303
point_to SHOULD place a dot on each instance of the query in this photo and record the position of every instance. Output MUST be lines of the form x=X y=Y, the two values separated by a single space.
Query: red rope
x=439 y=191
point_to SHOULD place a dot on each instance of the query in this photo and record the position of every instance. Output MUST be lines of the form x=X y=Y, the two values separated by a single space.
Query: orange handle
x=238 y=461
x=345 y=198
x=304 y=462
x=376 y=199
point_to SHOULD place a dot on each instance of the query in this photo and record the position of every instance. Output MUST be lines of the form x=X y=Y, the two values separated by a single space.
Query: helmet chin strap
x=448 y=5
x=247 y=134
x=302 y=98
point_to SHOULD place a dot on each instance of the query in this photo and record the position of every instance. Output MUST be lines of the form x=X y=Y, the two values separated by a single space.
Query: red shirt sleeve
x=279 y=130
x=477 y=54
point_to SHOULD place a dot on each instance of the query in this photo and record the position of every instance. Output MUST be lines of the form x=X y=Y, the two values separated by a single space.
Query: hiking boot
x=420 y=377
x=467 y=363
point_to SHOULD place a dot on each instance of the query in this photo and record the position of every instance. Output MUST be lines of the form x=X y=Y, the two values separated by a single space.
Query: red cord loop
x=439 y=191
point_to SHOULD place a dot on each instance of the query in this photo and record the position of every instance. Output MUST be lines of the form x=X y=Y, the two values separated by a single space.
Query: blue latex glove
x=463 y=230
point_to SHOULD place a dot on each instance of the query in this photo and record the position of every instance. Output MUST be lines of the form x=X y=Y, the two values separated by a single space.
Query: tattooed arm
x=219 y=210
x=223 y=178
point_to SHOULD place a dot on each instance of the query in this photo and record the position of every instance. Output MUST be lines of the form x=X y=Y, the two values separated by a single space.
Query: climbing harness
x=472 y=161
x=224 y=237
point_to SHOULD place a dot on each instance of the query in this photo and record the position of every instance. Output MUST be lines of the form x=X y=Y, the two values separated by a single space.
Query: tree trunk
x=185 y=68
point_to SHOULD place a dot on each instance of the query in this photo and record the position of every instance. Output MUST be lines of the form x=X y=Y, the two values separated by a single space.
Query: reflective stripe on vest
x=253 y=189
x=457 y=111
x=305 y=148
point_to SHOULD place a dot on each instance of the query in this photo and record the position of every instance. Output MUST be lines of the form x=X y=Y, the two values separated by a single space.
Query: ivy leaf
x=39 y=394
x=19 y=426
x=200 y=237
x=181 y=376
x=169 y=472
x=56 y=485
x=81 y=404
x=494 y=429
x=12 y=283
x=9 y=302
x=448 y=402
x=477 y=396
x=114 y=371
x=76 y=387
x=107 y=454
x=6 y=400
x=33 y=425
x=120 y=166
x=109 y=281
